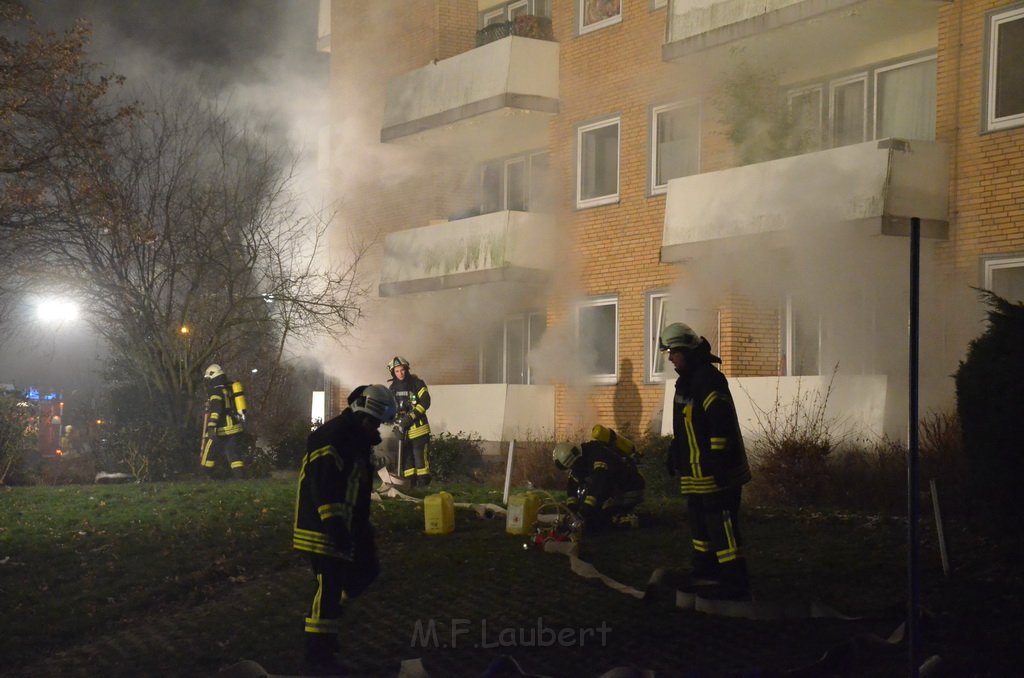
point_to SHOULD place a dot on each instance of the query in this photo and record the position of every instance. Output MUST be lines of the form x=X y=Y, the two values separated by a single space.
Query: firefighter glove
x=405 y=422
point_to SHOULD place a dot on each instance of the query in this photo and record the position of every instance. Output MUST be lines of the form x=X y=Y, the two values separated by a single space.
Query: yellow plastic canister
x=522 y=512
x=439 y=513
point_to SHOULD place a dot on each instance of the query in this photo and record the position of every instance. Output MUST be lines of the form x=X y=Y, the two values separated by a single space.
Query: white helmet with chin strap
x=398 y=361
x=213 y=371
x=565 y=455
x=678 y=336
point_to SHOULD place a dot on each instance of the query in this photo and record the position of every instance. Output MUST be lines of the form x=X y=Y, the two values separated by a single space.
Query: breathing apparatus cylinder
x=238 y=396
x=625 y=446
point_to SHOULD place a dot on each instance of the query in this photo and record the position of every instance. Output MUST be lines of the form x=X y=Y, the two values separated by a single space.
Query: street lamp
x=56 y=310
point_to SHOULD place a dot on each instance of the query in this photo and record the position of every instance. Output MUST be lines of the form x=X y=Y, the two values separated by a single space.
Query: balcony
x=782 y=33
x=496 y=247
x=877 y=187
x=495 y=412
x=491 y=101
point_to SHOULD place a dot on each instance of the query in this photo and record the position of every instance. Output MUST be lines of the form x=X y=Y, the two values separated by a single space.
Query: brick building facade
x=544 y=193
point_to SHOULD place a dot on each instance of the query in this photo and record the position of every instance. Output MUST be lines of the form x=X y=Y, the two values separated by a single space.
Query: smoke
x=257 y=57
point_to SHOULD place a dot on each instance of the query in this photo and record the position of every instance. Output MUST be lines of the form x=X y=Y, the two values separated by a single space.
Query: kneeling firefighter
x=225 y=422
x=411 y=424
x=603 y=487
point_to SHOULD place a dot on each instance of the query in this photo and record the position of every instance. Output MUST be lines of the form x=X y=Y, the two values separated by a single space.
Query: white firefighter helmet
x=678 y=335
x=398 y=361
x=213 y=371
x=565 y=455
x=375 y=400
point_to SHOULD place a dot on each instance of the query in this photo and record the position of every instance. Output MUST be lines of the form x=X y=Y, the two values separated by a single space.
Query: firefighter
x=411 y=424
x=332 y=515
x=66 y=442
x=708 y=457
x=225 y=422
x=604 y=487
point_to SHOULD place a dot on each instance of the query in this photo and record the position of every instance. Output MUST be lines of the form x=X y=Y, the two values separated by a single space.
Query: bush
x=532 y=466
x=453 y=456
x=149 y=451
x=990 y=400
x=653 y=464
x=288 y=444
x=17 y=438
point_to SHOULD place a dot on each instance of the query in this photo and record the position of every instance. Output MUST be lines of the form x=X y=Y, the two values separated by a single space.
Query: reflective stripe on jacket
x=412 y=398
x=332 y=507
x=707 y=448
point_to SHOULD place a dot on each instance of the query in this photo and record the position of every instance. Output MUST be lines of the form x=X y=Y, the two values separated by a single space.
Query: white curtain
x=906 y=102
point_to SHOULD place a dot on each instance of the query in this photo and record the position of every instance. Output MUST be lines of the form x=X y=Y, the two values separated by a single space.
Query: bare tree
x=187 y=244
x=53 y=116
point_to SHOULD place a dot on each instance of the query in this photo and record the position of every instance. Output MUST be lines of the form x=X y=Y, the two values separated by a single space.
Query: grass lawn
x=186 y=579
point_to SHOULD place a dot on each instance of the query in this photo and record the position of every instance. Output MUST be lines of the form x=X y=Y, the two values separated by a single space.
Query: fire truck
x=47 y=411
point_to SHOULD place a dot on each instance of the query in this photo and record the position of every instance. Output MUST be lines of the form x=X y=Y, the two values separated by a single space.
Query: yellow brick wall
x=619 y=70
x=987 y=173
x=616 y=70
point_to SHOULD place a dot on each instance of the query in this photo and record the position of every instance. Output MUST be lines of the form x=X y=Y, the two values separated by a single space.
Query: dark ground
x=461 y=601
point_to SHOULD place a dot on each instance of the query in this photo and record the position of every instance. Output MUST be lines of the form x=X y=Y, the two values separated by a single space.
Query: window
x=505 y=353
x=894 y=99
x=806 y=109
x=492 y=187
x=1005 y=277
x=541 y=196
x=494 y=16
x=848 y=98
x=515 y=184
x=905 y=100
x=801 y=337
x=675 y=143
x=508 y=11
x=597 y=164
x=596 y=14
x=662 y=310
x=1004 y=72
x=597 y=332
x=519 y=183
x=658 y=4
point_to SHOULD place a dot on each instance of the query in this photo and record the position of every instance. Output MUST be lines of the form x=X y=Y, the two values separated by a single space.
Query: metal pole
x=508 y=471
x=913 y=481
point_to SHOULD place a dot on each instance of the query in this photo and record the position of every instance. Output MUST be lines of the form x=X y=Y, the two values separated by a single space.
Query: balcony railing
x=880 y=185
x=491 y=101
x=496 y=247
x=526 y=26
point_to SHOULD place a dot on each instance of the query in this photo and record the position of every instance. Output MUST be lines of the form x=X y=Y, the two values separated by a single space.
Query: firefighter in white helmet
x=332 y=516
x=603 y=487
x=224 y=422
x=411 y=423
x=708 y=457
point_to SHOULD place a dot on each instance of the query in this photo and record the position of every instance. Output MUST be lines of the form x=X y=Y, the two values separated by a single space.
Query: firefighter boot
x=704 y=572
x=321 y=658
x=733 y=584
x=705 y=567
x=424 y=480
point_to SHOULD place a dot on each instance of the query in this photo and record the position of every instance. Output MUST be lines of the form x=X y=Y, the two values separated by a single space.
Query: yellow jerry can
x=522 y=512
x=439 y=513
